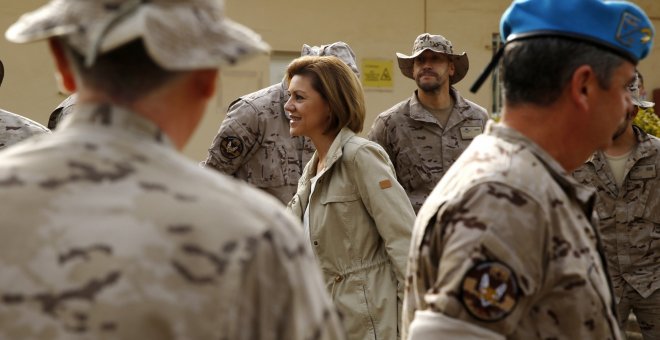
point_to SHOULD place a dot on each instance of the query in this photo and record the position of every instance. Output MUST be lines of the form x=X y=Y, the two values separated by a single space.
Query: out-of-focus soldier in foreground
x=506 y=246
x=107 y=231
x=628 y=206
x=426 y=133
x=15 y=128
x=254 y=144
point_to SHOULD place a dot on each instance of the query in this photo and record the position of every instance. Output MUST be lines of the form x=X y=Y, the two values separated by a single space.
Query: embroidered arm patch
x=231 y=147
x=489 y=291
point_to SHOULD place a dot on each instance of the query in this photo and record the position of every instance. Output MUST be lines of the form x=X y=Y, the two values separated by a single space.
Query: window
x=279 y=61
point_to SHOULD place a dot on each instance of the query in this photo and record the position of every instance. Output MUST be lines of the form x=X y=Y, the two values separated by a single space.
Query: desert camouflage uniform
x=420 y=148
x=630 y=226
x=15 y=128
x=254 y=144
x=506 y=245
x=132 y=241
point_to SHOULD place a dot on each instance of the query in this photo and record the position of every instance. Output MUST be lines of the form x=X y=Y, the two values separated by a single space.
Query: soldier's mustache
x=427 y=73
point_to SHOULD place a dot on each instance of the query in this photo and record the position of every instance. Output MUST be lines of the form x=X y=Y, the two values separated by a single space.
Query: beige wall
x=374 y=29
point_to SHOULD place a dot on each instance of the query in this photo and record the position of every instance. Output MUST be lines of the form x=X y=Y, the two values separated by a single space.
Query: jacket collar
x=643 y=149
x=584 y=195
x=334 y=153
x=336 y=148
x=114 y=117
x=460 y=112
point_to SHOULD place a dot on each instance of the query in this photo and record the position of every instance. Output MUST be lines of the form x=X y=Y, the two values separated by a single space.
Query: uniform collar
x=584 y=195
x=459 y=112
x=644 y=146
x=643 y=149
x=115 y=117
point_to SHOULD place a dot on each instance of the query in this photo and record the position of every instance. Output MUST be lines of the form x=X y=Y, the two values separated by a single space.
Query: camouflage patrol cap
x=635 y=91
x=177 y=34
x=437 y=44
x=338 y=49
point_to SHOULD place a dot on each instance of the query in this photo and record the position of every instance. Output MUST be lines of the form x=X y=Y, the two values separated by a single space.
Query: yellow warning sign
x=377 y=73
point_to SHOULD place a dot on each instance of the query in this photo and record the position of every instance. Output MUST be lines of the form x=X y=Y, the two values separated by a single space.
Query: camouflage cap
x=438 y=44
x=635 y=90
x=338 y=49
x=178 y=34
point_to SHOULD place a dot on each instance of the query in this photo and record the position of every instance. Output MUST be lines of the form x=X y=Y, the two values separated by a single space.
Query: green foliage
x=648 y=121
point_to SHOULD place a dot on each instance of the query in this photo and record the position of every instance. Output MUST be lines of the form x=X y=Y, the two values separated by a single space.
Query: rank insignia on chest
x=231 y=147
x=469 y=132
x=489 y=291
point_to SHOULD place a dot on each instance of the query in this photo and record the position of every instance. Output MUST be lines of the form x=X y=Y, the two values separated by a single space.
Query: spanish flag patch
x=384 y=184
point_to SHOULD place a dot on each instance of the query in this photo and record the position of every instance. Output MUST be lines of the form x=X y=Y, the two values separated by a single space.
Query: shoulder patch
x=385 y=184
x=489 y=291
x=231 y=147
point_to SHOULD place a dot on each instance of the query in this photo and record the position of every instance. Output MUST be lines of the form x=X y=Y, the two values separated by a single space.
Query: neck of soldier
x=553 y=128
x=172 y=107
x=438 y=99
x=623 y=143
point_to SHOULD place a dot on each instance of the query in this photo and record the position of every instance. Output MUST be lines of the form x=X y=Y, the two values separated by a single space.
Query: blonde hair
x=338 y=85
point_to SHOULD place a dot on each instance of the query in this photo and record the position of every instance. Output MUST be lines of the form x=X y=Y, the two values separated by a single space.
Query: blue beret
x=620 y=26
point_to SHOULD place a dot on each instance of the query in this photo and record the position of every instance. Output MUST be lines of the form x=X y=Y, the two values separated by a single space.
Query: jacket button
x=339 y=279
x=316 y=243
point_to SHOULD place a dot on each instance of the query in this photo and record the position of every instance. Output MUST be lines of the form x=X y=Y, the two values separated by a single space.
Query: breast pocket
x=342 y=206
x=268 y=166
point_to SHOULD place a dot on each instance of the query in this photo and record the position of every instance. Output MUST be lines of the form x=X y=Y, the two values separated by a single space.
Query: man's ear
x=66 y=78
x=581 y=86
x=452 y=68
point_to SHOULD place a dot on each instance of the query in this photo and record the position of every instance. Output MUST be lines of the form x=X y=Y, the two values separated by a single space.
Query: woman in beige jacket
x=356 y=215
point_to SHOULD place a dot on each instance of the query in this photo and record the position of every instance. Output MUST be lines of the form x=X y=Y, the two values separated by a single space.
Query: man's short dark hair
x=536 y=70
x=125 y=74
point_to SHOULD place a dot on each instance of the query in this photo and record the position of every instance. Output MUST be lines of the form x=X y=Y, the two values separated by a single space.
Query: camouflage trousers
x=647 y=311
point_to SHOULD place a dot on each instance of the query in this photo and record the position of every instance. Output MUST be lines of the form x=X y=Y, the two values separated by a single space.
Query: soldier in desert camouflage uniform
x=425 y=134
x=506 y=246
x=107 y=231
x=628 y=206
x=15 y=128
x=254 y=144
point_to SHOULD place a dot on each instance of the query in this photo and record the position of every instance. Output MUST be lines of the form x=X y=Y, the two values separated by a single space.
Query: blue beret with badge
x=619 y=26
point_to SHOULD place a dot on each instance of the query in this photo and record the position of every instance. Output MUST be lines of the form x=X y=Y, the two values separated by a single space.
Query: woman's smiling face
x=309 y=111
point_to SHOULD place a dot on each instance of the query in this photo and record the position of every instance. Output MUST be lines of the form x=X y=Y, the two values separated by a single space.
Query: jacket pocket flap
x=337 y=198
